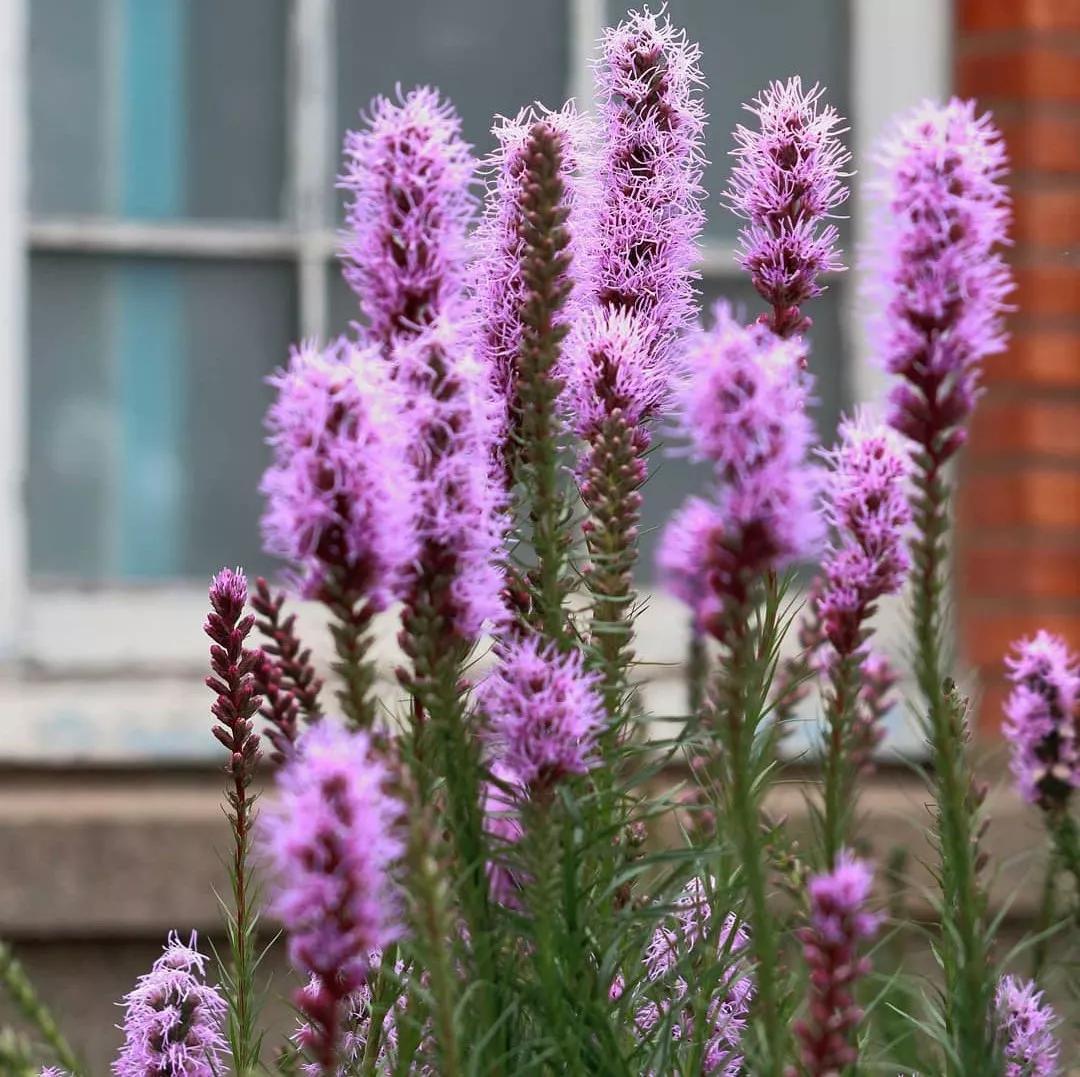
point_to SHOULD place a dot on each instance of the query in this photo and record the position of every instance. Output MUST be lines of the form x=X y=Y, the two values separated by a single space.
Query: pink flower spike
x=1025 y=1023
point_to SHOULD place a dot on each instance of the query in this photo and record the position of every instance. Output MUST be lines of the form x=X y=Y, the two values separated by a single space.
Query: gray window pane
x=745 y=44
x=147 y=395
x=158 y=108
x=673 y=478
x=488 y=56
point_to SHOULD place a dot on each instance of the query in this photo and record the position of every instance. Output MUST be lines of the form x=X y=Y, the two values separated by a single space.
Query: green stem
x=26 y=1000
x=352 y=617
x=380 y=1006
x=1066 y=837
x=244 y=1039
x=839 y=772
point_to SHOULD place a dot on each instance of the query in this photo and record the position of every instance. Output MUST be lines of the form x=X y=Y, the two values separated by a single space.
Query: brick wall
x=1018 y=540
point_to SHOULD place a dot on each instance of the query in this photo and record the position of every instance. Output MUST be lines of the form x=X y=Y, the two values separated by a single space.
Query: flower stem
x=839 y=769
x=352 y=617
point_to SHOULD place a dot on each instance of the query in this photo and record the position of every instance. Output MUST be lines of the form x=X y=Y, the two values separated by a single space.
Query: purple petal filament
x=1025 y=1029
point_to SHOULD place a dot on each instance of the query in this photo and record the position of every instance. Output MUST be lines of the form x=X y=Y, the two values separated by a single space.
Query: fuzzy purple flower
x=1042 y=719
x=53 y=1071
x=868 y=510
x=743 y=408
x=649 y=213
x=544 y=712
x=1025 y=1024
x=407 y=174
x=540 y=158
x=339 y=494
x=667 y=963
x=787 y=179
x=839 y=924
x=450 y=420
x=332 y=839
x=173 y=1019
x=938 y=271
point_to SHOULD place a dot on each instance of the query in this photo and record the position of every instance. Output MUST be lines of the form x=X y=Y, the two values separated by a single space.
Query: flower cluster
x=332 y=840
x=1025 y=1026
x=543 y=711
x=839 y=923
x=786 y=180
x=1042 y=719
x=939 y=275
x=339 y=493
x=405 y=249
x=173 y=1019
x=649 y=173
x=867 y=507
x=450 y=421
x=743 y=408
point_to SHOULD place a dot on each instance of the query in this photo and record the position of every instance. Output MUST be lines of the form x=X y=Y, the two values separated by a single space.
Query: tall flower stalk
x=942 y=282
x=526 y=245
x=236 y=703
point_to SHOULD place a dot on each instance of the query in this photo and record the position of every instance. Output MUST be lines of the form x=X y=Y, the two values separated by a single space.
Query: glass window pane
x=158 y=108
x=673 y=479
x=471 y=50
x=147 y=395
x=744 y=46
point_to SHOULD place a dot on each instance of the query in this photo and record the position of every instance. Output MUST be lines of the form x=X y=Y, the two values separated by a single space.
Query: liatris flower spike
x=743 y=407
x=173 y=1019
x=839 y=924
x=1025 y=1024
x=332 y=840
x=543 y=711
x=787 y=180
x=649 y=213
x=1042 y=720
x=407 y=173
x=938 y=271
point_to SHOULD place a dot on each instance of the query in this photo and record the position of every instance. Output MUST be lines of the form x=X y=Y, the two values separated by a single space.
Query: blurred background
x=168 y=225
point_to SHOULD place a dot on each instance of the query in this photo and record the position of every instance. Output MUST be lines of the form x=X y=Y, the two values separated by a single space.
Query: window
x=177 y=232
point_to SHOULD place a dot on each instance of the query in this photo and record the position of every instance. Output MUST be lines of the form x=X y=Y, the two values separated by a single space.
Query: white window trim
x=123 y=636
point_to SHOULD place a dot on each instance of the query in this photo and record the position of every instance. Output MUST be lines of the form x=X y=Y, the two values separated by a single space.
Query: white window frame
x=103 y=645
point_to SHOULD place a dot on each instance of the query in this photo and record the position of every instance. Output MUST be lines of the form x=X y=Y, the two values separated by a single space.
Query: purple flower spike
x=867 y=507
x=1025 y=1030
x=450 y=419
x=544 y=713
x=339 y=495
x=1042 y=719
x=742 y=407
x=938 y=271
x=788 y=177
x=839 y=923
x=408 y=175
x=649 y=174
x=173 y=1019
x=332 y=840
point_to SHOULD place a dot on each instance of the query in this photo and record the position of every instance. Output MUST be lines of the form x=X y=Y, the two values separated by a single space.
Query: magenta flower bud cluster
x=1025 y=1030
x=648 y=173
x=332 y=842
x=867 y=507
x=173 y=1019
x=339 y=493
x=742 y=406
x=786 y=181
x=407 y=174
x=839 y=924
x=544 y=712
x=938 y=271
x=1042 y=719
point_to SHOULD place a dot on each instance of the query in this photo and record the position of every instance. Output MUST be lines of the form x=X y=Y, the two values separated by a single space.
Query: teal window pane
x=158 y=109
x=487 y=56
x=147 y=393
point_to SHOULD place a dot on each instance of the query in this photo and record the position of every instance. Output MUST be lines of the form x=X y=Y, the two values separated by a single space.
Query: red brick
x=1038 y=497
x=1035 y=570
x=1032 y=73
x=1043 y=143
x=1050 y=289
x=1023 y=427
x=1047 y=218
x=1041 y=359
x=1019 y=14
x=986 y=637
